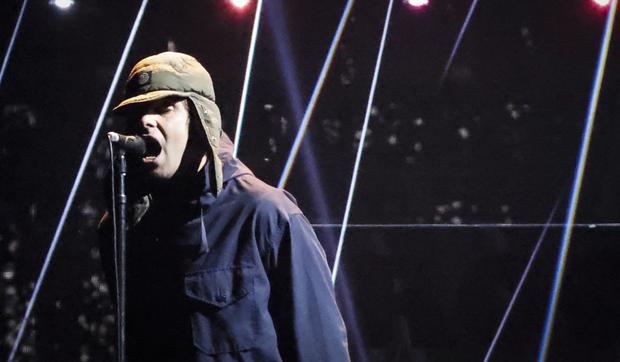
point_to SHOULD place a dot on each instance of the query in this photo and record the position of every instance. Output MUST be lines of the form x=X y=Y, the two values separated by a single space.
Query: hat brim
x=150 y=96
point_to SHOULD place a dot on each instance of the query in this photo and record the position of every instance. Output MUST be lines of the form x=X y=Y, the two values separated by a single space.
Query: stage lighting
x=62 y=4
x=602 y=2
x=239 y=4
x=418 y=3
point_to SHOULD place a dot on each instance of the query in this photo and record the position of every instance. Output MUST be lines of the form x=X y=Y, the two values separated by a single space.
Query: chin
x=161 y=175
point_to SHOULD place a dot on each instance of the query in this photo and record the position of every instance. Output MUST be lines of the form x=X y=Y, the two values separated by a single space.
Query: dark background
x=497 y=143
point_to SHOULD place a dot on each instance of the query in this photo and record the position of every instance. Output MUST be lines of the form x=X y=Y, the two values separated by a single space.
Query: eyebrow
x=159 y=103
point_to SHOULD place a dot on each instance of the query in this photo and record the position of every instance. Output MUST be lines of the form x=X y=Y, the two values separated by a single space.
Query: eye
x=164 y=108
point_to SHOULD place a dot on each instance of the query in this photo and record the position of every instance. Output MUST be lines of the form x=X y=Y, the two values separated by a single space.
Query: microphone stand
x=124 y=144
x=120 y=250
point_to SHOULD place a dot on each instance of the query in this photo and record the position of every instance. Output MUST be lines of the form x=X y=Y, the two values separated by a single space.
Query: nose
x=148 y=121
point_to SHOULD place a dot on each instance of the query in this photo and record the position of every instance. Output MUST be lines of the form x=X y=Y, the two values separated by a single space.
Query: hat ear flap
x=195 y=126
x=209 y=116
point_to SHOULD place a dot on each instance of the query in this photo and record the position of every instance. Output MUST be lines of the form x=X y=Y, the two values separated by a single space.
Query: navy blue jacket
x=240 y=277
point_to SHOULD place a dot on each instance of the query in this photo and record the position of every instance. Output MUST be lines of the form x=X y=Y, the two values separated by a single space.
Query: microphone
x=134 y=144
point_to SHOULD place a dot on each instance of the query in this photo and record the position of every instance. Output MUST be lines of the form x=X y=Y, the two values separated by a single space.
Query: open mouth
x=153 y=149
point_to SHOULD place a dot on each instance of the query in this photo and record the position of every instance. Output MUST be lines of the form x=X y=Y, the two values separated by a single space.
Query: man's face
x=165 y=121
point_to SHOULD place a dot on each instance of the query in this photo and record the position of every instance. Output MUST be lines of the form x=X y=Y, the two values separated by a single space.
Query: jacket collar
x=232 y=167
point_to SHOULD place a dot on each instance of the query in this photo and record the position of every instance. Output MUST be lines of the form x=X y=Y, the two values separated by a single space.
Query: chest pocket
x=223 y=309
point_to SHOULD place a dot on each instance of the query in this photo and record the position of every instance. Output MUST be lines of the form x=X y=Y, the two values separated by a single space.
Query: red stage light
x=417 y=3
x=239 y=4
x=602 y=2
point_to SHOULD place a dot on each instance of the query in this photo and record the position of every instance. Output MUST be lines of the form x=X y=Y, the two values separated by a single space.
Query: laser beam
x=515 y=295
x=285 y=60
x=9 y=50
x=579 y=171
x=457 y=43
x=360 y=148
x=301 y=132
x=470 y=226
x=78 y=180
x=246 y=79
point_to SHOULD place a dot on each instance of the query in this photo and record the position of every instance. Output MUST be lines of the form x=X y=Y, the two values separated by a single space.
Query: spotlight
x=602 y=3
x=239 y=4
x=420 y=3
x=62 y=4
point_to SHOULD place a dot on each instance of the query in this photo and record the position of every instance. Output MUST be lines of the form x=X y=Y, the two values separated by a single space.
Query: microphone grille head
x=114 y=137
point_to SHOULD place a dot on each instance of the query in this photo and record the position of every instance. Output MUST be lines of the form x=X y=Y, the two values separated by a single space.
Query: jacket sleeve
x=302 y=303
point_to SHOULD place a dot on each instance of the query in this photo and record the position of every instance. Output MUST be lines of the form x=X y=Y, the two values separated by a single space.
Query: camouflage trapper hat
x=177 y=74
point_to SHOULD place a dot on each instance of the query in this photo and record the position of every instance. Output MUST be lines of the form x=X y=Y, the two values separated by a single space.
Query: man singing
x=221 y=266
